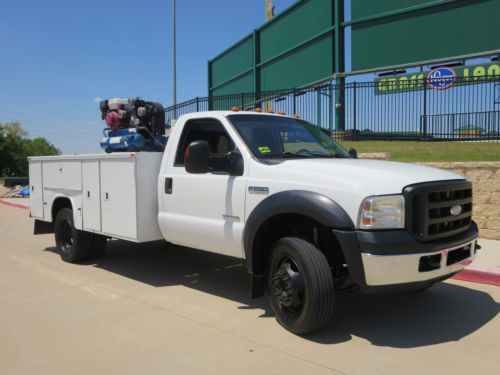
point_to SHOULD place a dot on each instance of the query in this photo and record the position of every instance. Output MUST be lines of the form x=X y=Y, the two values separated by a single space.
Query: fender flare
x=314 y=205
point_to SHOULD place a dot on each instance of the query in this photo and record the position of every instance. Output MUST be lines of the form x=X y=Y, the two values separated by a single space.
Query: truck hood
x=369 y=177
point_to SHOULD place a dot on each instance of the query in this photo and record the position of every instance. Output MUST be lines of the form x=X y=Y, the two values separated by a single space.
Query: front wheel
x=300 y=286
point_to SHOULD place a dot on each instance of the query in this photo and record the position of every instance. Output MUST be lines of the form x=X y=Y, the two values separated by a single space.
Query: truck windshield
x=284 y=137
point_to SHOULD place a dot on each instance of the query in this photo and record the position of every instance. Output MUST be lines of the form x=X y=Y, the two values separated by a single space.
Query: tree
x=14 y=129
x=15 y=147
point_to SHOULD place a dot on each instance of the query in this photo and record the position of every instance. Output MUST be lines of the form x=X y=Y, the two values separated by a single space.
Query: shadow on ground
x=446 y=312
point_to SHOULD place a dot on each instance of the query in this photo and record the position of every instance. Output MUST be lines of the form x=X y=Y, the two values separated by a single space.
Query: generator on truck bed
x=133 y=125
x=309 y=218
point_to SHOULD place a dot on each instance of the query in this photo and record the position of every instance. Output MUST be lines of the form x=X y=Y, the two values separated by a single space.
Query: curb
x=489 y=276
x=18 y=205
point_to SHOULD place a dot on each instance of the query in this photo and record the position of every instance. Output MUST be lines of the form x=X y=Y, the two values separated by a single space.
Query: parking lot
x=159 y=309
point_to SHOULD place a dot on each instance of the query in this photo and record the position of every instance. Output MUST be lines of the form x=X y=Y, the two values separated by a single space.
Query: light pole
x=174 y=61
x=269 y=16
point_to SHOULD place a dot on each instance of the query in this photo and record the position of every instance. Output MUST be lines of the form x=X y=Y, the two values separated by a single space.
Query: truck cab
x=309 y=219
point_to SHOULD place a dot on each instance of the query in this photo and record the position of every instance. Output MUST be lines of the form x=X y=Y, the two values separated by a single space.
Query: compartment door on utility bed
x=118 y=197
x=36 y=189
x=91 y=200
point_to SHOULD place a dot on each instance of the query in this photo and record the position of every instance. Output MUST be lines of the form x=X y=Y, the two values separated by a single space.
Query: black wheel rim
x=66 y=238
x=288 y=287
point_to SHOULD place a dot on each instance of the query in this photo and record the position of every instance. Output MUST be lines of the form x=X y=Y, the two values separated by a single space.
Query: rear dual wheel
x=75 y=245
x=300 y=286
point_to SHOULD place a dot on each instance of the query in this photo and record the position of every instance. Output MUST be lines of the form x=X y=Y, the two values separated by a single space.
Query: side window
x=209 y=130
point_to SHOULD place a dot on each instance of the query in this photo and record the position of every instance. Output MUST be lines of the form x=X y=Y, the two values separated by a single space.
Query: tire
x=73 y=245
x=99 y=244
x=300 y=286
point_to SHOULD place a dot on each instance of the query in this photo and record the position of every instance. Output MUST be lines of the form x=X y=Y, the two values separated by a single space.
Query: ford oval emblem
x=456 y=210
x=441 y=78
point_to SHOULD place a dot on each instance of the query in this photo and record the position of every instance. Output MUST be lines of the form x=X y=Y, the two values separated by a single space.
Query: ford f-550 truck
x=308 y=217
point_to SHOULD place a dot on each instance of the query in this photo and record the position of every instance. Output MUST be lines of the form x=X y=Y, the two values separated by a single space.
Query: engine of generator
x=132 y=125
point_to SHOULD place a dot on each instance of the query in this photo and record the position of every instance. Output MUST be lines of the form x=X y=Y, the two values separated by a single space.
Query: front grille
x=429 y=209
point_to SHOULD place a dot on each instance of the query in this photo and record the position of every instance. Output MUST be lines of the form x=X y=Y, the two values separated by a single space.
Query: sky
x=58 y=58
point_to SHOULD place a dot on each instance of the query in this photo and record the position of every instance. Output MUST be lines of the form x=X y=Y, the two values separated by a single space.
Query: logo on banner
x=441 y=78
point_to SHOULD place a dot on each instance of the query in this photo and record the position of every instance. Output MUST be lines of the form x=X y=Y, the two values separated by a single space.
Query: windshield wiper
x=288 y=155
x=319 y=154
x=302 y=154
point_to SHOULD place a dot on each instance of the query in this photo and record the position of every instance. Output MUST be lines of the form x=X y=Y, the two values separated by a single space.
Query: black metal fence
x=467 y=110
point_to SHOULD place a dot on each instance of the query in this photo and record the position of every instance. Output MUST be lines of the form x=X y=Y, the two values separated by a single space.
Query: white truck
x=309 y=218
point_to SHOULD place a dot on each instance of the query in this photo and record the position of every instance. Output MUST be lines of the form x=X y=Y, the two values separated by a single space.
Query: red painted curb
x=18 y=205
x=479 y=275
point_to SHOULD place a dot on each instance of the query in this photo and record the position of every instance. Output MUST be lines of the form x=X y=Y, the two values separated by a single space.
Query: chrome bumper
x=409 y=268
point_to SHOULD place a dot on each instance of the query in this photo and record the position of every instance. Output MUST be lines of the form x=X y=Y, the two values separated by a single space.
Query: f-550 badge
x=258 y=190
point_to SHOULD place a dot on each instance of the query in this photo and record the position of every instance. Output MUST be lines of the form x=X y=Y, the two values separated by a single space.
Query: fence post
x=318 y=107
x=197 y=104
x=294 y=103
x=330 y=107
x=354 y=105
x=453 y=133
x=424 y=118
x=242 y=101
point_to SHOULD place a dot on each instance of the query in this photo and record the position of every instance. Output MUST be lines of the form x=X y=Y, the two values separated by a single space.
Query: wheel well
x=59 y=204
x=296 y=225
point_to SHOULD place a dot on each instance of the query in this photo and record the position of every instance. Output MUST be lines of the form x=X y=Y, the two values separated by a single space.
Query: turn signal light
x=282 y=113
x=296 y=116
x=235 y=109
x=270 y=110
x=258 y=109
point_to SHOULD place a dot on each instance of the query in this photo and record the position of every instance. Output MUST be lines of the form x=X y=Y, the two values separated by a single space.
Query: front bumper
x=409 y=268
x=391 y=260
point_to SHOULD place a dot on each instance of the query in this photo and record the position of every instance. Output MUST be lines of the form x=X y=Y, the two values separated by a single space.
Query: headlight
x=382 y=212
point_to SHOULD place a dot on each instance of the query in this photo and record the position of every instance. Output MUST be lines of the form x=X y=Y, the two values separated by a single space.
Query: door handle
x=168 y=185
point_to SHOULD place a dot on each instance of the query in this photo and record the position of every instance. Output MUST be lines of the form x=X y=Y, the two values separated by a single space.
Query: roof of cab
x=228 y=113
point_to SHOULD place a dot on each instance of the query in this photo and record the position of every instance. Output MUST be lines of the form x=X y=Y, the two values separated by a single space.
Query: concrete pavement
x=489 y=255
x=156 y=309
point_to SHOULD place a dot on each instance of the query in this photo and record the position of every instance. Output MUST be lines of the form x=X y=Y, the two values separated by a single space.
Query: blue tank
x=129 y=140
x=123 y=140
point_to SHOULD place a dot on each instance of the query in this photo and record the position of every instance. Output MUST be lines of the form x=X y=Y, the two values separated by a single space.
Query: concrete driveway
x=150 y=309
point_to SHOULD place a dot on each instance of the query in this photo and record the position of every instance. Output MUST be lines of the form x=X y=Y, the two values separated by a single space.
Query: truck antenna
x=174 y=61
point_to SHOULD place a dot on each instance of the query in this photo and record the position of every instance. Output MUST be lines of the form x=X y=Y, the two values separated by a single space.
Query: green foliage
x=15 y=147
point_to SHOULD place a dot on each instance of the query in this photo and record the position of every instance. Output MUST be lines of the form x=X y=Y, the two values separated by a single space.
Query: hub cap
x=66 y=237
x=288 y=286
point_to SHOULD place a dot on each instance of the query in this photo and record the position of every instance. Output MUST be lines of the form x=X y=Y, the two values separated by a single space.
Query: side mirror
x=353 y=153
x=196 y=157
x=235 y=163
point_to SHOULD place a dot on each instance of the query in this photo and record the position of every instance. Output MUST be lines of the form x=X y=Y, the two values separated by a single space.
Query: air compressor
x=132 y=125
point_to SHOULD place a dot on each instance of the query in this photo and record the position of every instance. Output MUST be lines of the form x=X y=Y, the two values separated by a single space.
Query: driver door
x=204 y=211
